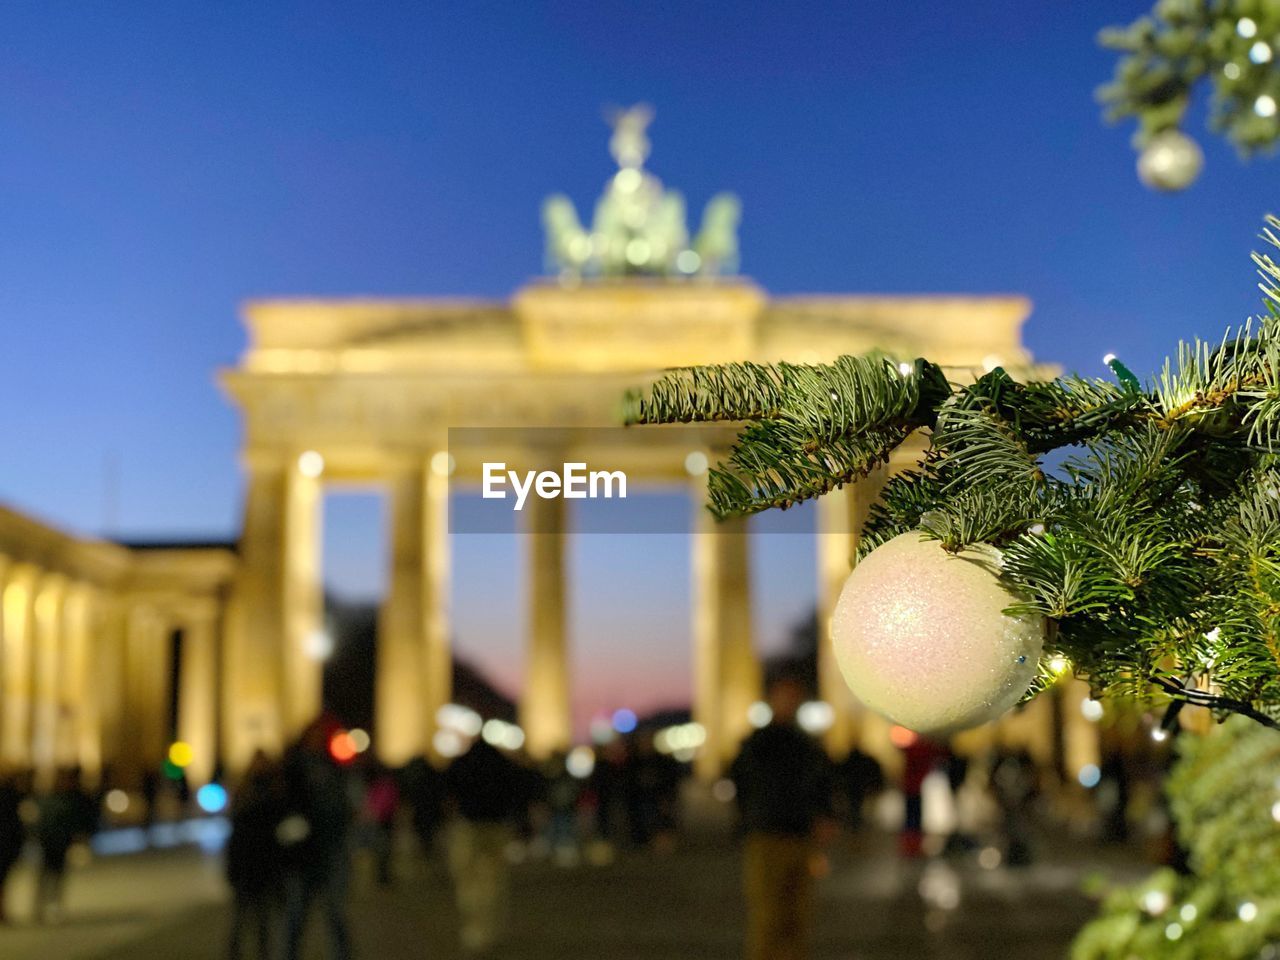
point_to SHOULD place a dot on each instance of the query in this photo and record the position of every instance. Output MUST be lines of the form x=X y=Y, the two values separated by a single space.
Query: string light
x=1155 y=902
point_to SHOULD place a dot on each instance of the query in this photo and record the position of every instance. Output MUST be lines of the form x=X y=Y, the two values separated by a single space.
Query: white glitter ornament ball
x=921 y=637
x=1170 y=161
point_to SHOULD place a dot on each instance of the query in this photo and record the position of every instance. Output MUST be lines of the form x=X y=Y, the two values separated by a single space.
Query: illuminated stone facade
x=88 y=633
x=362 y=392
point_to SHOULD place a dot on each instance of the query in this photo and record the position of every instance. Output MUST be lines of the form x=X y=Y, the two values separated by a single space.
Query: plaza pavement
x=683 y=906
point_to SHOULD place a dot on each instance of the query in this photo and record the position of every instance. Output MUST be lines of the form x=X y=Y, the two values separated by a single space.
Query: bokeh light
x=342 y=747
x=212 y=798
x=580 y=762
x=624 y=720
x=181 y=754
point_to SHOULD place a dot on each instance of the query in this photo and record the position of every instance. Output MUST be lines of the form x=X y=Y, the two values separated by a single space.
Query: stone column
x=198 y=692
x=110 y=621
x=545 y=709
x=48 y=648
x=304 y=649
x=1081 y=738
x=16 y=635
x=77 y=740
x=146 y=693
x=837 y=543
x=437 y=683
x=5 y=566
x=727 y=676
x=414 y=661
x=742 y=676
x=272 y=673
x=841 y=515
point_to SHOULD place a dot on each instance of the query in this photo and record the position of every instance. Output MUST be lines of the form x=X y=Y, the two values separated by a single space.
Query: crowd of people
x=295 y=823
x=296 y=820
x=55 y=820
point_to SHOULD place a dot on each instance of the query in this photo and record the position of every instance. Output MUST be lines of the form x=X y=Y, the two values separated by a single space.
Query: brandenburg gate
x=364 y=392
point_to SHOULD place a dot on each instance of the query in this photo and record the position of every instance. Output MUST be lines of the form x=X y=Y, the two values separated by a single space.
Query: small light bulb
x=1260 y=52
x=1109 y=359
x=1231 y=71
x=1155 y=902
x=1159 y=735
x=1246 y=28
x=1265 y=105
x=905 y=368
x=310 y=464
x=442 y=463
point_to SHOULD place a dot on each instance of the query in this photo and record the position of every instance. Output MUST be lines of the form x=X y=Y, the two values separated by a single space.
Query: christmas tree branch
x=1145 y=523
x=1199 y=698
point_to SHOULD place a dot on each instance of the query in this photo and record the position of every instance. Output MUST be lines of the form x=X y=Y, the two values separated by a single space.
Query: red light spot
x=342 y=747
x=902 y=738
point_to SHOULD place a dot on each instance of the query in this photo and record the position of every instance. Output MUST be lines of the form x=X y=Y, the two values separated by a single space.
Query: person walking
x=783 y=783
x=860 y=777
x=486 y=788
x=378 y=816
x=254 y=869
x=422 y=789
x=314 y=835
x=65 y=815
x=12 y=833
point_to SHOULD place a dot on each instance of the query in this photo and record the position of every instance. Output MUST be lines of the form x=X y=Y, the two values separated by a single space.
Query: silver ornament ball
x=922 y=638
x=1170 y=161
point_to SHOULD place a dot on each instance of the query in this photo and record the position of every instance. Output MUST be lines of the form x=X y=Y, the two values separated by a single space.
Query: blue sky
x=161 y=163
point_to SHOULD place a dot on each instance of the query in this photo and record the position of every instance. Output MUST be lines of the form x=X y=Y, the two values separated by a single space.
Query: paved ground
x=168 y=906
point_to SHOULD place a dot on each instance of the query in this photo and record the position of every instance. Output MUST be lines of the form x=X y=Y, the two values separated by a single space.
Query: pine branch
x=766 y=469
x=1144 y=523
